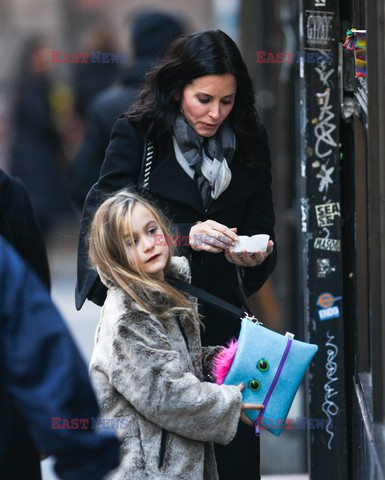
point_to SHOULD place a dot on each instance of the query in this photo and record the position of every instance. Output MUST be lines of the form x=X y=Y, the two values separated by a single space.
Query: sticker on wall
x=324 y=267
x=326 y=303
x=327 y=244
x=326 y=214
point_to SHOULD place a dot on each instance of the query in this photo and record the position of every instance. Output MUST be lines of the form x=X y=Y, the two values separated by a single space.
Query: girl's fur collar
x=180 y=269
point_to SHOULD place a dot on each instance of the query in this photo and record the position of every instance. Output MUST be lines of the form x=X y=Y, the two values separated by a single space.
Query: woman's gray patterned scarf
x=206 y=160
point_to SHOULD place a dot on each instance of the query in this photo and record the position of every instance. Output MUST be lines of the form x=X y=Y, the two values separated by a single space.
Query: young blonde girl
x=147 y=361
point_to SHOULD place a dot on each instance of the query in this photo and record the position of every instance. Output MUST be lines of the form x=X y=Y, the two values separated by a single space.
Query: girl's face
x=150 y=251
x=207 y=102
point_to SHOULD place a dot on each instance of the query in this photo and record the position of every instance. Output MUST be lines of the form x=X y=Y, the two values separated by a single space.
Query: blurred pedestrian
x=44 y=380
x=19 y=226
x=210 y=173
x=36 y=154
x=92 y=77
x=151 y=33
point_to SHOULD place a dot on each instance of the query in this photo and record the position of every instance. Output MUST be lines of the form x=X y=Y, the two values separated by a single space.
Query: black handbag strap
x=216 y=302
x=148 y=157
x=210 y=299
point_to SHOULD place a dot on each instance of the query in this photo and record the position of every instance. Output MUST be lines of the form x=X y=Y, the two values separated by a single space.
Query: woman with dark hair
x=194 y=57
x=210 y=174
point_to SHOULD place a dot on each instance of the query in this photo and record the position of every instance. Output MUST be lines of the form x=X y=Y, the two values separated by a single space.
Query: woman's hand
x=211 y=236
x=248 y=406
x=245 y=259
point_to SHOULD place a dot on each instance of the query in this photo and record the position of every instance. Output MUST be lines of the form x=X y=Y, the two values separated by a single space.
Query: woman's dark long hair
x=210 y=52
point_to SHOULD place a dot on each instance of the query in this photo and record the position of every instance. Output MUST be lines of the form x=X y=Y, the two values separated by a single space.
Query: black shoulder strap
x=208 y=298
x=148 y=157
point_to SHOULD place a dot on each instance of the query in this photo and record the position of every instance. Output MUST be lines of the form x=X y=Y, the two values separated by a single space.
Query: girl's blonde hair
x=109 y=254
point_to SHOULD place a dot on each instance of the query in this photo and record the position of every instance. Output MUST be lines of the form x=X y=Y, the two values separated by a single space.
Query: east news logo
x=326 y=302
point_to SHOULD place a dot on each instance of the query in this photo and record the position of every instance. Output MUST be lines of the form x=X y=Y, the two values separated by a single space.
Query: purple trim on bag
x=274 y=383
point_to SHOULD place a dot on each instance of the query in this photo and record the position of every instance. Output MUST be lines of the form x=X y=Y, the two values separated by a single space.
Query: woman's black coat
x=18 y=225
x=245 y=204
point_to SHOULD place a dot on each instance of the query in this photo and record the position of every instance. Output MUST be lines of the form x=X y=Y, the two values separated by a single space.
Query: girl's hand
x=244 y=259
x=248 y=406
x=211 y=236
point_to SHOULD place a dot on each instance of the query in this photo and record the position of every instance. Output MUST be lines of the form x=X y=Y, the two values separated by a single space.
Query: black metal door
x=321 y=236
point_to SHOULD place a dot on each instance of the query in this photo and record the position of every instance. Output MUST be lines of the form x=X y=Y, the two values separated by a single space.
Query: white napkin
x=256 y=243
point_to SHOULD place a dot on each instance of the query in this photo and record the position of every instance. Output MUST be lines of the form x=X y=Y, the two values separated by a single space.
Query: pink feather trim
x=223 y=360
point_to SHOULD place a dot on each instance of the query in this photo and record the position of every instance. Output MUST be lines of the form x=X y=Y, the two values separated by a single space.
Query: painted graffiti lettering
x=319 y=27
x=325 y=175
x=324 y=128
x=304 y=214
x=329 y=407
x=324 y=75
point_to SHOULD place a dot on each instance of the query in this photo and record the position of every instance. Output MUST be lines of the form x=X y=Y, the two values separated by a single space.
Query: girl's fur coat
x=147 y=374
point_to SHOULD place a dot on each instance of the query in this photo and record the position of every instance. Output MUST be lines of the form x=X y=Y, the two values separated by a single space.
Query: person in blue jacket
x=44 y=377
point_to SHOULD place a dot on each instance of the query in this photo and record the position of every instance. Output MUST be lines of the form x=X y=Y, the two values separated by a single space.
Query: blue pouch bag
x=272 y=367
